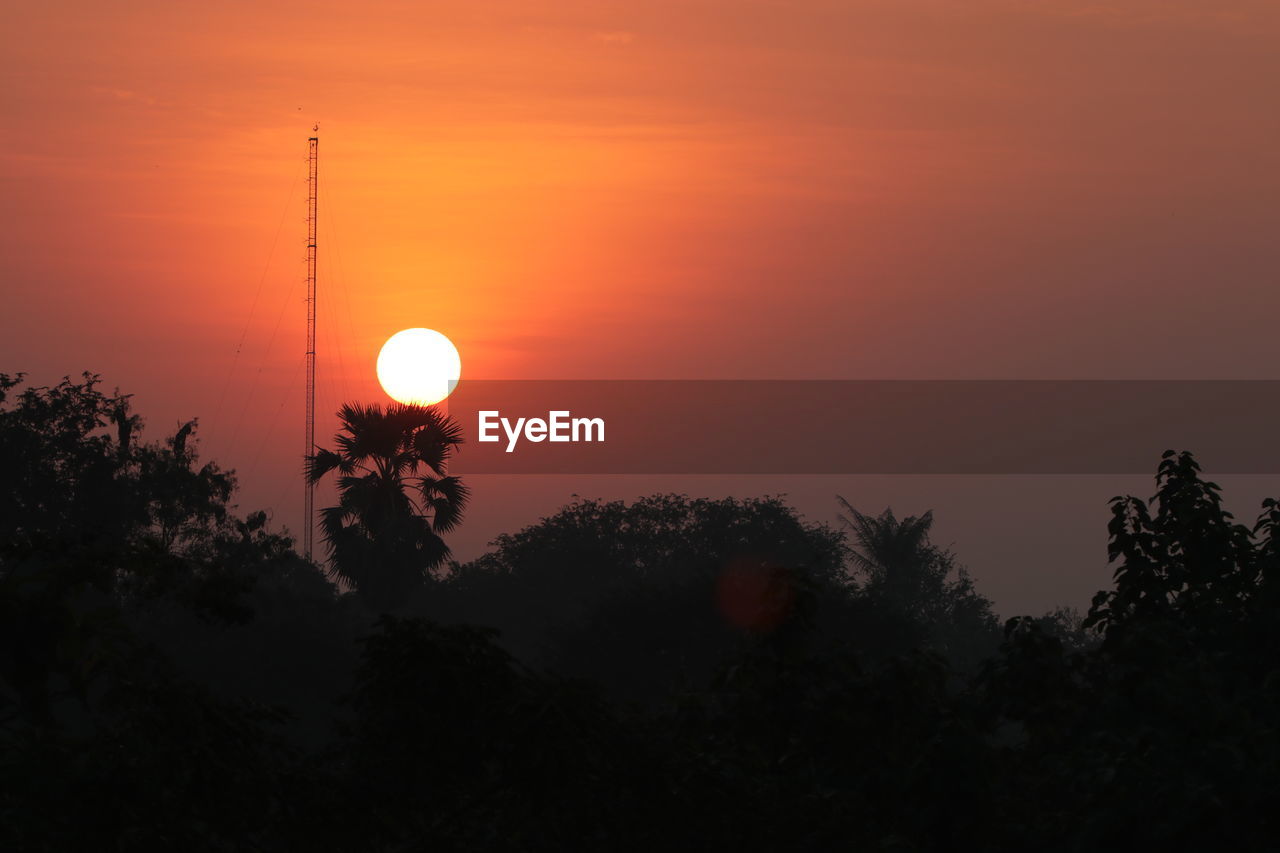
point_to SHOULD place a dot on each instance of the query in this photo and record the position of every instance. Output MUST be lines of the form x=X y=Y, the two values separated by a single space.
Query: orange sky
x=993 y=188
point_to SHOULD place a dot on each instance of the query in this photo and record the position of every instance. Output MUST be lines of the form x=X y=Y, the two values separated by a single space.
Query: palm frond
x=885 y=543
x=322 y=463
x=446 y=498
x=437 y=436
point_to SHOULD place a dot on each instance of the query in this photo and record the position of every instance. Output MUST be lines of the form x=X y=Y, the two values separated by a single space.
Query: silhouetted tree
x=1189 y=561
x=909 y=578
x=454 y=745
x=153 y=644
x=1066 y=625
x=1165 y=734
x=643 y=594
x=93 y=520
x=98 y=529
x=395 y=498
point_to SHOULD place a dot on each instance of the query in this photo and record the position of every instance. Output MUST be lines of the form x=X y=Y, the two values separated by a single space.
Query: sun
x=419 y=367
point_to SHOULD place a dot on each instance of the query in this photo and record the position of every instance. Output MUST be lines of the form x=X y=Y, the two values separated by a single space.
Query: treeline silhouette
x=670 y=673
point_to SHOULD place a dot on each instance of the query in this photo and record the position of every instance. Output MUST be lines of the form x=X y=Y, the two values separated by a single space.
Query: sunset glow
x=699 y=189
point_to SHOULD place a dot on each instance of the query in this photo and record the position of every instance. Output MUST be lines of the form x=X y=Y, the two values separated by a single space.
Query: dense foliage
x=664 y=674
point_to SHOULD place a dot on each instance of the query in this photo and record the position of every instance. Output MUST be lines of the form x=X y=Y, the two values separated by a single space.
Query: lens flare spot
x=754 y=594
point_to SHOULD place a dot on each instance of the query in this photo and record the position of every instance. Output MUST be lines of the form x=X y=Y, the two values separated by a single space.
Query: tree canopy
x=666 y=672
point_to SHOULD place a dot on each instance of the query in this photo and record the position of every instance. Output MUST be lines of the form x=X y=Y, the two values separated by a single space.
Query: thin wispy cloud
x=614 y=37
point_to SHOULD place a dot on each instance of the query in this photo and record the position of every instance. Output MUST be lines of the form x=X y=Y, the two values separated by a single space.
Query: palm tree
x=395 y=498
x=895 y=555
x=911 y=576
